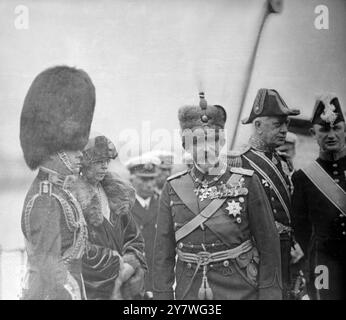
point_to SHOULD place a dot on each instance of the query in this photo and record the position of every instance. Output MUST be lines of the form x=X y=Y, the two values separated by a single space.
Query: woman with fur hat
x=114 y=265
x=54 y=128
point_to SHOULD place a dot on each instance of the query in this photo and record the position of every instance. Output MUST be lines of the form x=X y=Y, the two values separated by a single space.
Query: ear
x=258 y=125
x=312 y=131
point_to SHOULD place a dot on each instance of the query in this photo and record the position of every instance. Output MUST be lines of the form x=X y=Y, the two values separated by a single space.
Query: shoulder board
x=177 y=175
x=234 y=156
x=245 y=172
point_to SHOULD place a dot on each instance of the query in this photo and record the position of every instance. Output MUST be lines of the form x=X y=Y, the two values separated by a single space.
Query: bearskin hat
x=57 y=113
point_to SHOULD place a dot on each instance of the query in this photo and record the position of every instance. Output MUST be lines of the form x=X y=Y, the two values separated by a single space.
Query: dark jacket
x=146 y=221
x=279 y=213
x=253 y=275
x=320 y=230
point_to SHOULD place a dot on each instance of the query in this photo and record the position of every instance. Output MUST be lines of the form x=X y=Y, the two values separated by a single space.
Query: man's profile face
x=75 y=158
x=273 y=130
x=330 y=139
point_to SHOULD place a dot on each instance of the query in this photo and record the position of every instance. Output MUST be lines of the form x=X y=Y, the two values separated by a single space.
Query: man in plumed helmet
x=215 y=235
x=319 y=204
x=269 y=117
x=54 y=128
x=113 y=264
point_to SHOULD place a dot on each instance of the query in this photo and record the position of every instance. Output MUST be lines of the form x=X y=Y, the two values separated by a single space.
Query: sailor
x=143 y=172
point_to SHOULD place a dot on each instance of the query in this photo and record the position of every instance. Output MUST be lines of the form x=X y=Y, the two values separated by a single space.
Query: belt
x=282 y=228
x=203 y=258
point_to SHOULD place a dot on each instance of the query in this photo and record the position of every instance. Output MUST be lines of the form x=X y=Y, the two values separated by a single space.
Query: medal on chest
x=221 y=190
x=234 y=209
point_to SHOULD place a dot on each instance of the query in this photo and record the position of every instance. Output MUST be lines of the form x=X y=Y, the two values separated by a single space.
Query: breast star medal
x=234 y=209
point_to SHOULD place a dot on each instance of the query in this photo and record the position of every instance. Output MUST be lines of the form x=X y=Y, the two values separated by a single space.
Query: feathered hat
x=57 y=113
x=327 y=111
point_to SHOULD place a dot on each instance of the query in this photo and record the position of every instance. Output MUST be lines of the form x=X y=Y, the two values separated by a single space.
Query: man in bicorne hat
x=269 y=117
x=143 y=172
x=319 y=204
x=215 y=236
x=54 y=128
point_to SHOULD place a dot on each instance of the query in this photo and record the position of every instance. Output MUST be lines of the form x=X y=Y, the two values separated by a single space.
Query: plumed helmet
x=57 y=113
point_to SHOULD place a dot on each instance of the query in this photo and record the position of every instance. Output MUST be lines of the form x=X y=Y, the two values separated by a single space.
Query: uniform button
x=141 y=227
x=189 y=265
x=241 y=199
x=180 y=245
x=343 y=224
x=226 y=263
x=335 y=165
x=275 y=211
x=337 y=180
x=155 y=226
x=344 y=233
x=340 y=215
x=335 y=172
x=272 y=199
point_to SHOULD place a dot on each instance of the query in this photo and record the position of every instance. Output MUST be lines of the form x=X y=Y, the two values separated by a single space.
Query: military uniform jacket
x=284 y=185
x=253 y=275
x=320 y=229
x=270 y=166
x=146 y=221
x=55 y=233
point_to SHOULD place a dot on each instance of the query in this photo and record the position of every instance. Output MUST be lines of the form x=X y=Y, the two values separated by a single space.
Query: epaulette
x=177 y=175
x=234 y=156
x=242 y=171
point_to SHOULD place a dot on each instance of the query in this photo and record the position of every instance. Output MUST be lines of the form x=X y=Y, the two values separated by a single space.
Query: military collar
x=213 y=174
x=257 y=144
x=63 y=181
x=332 y=156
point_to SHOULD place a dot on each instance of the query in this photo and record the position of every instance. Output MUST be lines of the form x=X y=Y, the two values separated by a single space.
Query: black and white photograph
x=172 y=150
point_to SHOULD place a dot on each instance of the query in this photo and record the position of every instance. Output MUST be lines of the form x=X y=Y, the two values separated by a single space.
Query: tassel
x=205 y=292
x=201 y=292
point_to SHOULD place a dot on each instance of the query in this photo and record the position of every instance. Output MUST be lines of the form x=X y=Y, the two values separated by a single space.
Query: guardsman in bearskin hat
x=216 y=221
x=113 y=265
x=269 y=117
x=319 y=204
x=143 y=172
x=54 y=128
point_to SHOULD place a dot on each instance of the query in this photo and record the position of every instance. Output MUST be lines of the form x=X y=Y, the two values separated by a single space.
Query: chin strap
x=66 y=161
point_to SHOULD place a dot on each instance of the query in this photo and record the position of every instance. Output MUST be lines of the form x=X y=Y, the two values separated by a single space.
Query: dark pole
x=271 y=6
